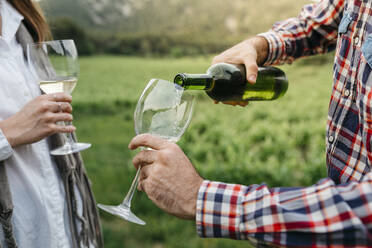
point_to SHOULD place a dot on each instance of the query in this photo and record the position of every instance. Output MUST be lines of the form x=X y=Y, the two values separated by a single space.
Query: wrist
x=191 y=210
x=6 y=129
x=261 y=45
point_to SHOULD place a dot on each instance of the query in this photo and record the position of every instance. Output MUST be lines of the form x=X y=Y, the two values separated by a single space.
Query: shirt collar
x=11 y=20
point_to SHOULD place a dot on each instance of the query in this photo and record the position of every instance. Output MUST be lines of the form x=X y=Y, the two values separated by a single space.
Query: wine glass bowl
x=165 y=110
x=56 y=67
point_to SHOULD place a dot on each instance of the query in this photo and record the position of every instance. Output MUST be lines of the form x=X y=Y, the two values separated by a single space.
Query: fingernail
x=252 y=78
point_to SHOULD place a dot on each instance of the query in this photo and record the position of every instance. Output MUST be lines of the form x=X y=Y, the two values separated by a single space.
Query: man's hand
x=167 y=175
x=250 y=53
x=37 y=119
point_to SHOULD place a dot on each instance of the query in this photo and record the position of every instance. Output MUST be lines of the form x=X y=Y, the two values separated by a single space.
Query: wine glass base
x=70 y=148
x=123 y=212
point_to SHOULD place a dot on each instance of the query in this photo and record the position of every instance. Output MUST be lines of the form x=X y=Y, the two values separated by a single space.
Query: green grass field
x=280 y=143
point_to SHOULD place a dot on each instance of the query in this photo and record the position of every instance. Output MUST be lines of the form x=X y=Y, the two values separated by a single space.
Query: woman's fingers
x=55 y=128
x=57 y=117
x=58 y=97
x=55 y=103
x=61 y=107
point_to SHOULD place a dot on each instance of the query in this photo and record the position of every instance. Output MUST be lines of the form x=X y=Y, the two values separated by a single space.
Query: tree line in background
x=135 y=44
x=94 y=42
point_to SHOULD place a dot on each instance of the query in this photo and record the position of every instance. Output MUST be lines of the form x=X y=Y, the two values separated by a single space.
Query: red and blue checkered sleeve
x=314 y=31
x=317 y=216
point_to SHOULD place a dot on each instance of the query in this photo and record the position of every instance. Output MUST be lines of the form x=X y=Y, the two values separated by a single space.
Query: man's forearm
x=297 y=217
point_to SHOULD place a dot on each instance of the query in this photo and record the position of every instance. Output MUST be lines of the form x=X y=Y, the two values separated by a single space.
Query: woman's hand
x=250 y=53
x=38 y=119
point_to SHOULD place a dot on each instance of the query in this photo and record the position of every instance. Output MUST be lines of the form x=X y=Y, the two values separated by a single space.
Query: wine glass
x=55 y=64
x=164 y=109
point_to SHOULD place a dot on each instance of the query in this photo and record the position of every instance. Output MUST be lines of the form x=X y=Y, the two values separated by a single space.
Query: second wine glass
x=165 y=110
x=56 y=66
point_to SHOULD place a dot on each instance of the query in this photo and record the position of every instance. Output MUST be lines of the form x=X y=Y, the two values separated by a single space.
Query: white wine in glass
x=56 y=66
x=62 y=85
x=165 y=110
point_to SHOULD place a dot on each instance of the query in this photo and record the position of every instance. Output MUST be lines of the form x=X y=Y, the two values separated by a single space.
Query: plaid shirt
x=337 y=211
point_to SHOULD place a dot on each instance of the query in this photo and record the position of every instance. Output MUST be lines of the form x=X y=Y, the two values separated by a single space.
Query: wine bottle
x=227 y=82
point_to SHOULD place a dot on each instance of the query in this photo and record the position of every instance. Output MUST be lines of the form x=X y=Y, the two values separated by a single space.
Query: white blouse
x=40 y=216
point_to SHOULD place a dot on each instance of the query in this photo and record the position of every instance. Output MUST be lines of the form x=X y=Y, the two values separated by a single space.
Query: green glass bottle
x=227 y=82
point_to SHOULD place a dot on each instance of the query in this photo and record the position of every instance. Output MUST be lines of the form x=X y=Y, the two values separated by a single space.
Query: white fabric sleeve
x=5 y=149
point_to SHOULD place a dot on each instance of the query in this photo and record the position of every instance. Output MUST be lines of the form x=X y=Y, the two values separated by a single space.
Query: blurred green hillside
x=164 y=27
x=219 y=17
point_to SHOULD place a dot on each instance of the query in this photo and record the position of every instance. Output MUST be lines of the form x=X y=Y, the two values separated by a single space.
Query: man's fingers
x=144 y=158
x=243 y=103
x=148 y=140
x=249 y=63
x=234 y=103
x=145 y=172
x=251 y=69
x=141 y=185
x=59 y=97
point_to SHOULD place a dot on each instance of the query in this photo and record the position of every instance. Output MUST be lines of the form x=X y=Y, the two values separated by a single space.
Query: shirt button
x=356 y=40
x=331 y=139
x=347 y=93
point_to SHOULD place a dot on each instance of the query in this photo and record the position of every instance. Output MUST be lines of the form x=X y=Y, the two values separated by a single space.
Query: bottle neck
x=194 y=81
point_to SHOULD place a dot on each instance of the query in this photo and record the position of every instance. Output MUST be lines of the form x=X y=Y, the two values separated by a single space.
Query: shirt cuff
x=219 y=210
x=277 y=49
x=5 y=148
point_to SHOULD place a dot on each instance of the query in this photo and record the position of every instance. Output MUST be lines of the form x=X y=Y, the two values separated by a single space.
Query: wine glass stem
x=128 y=198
